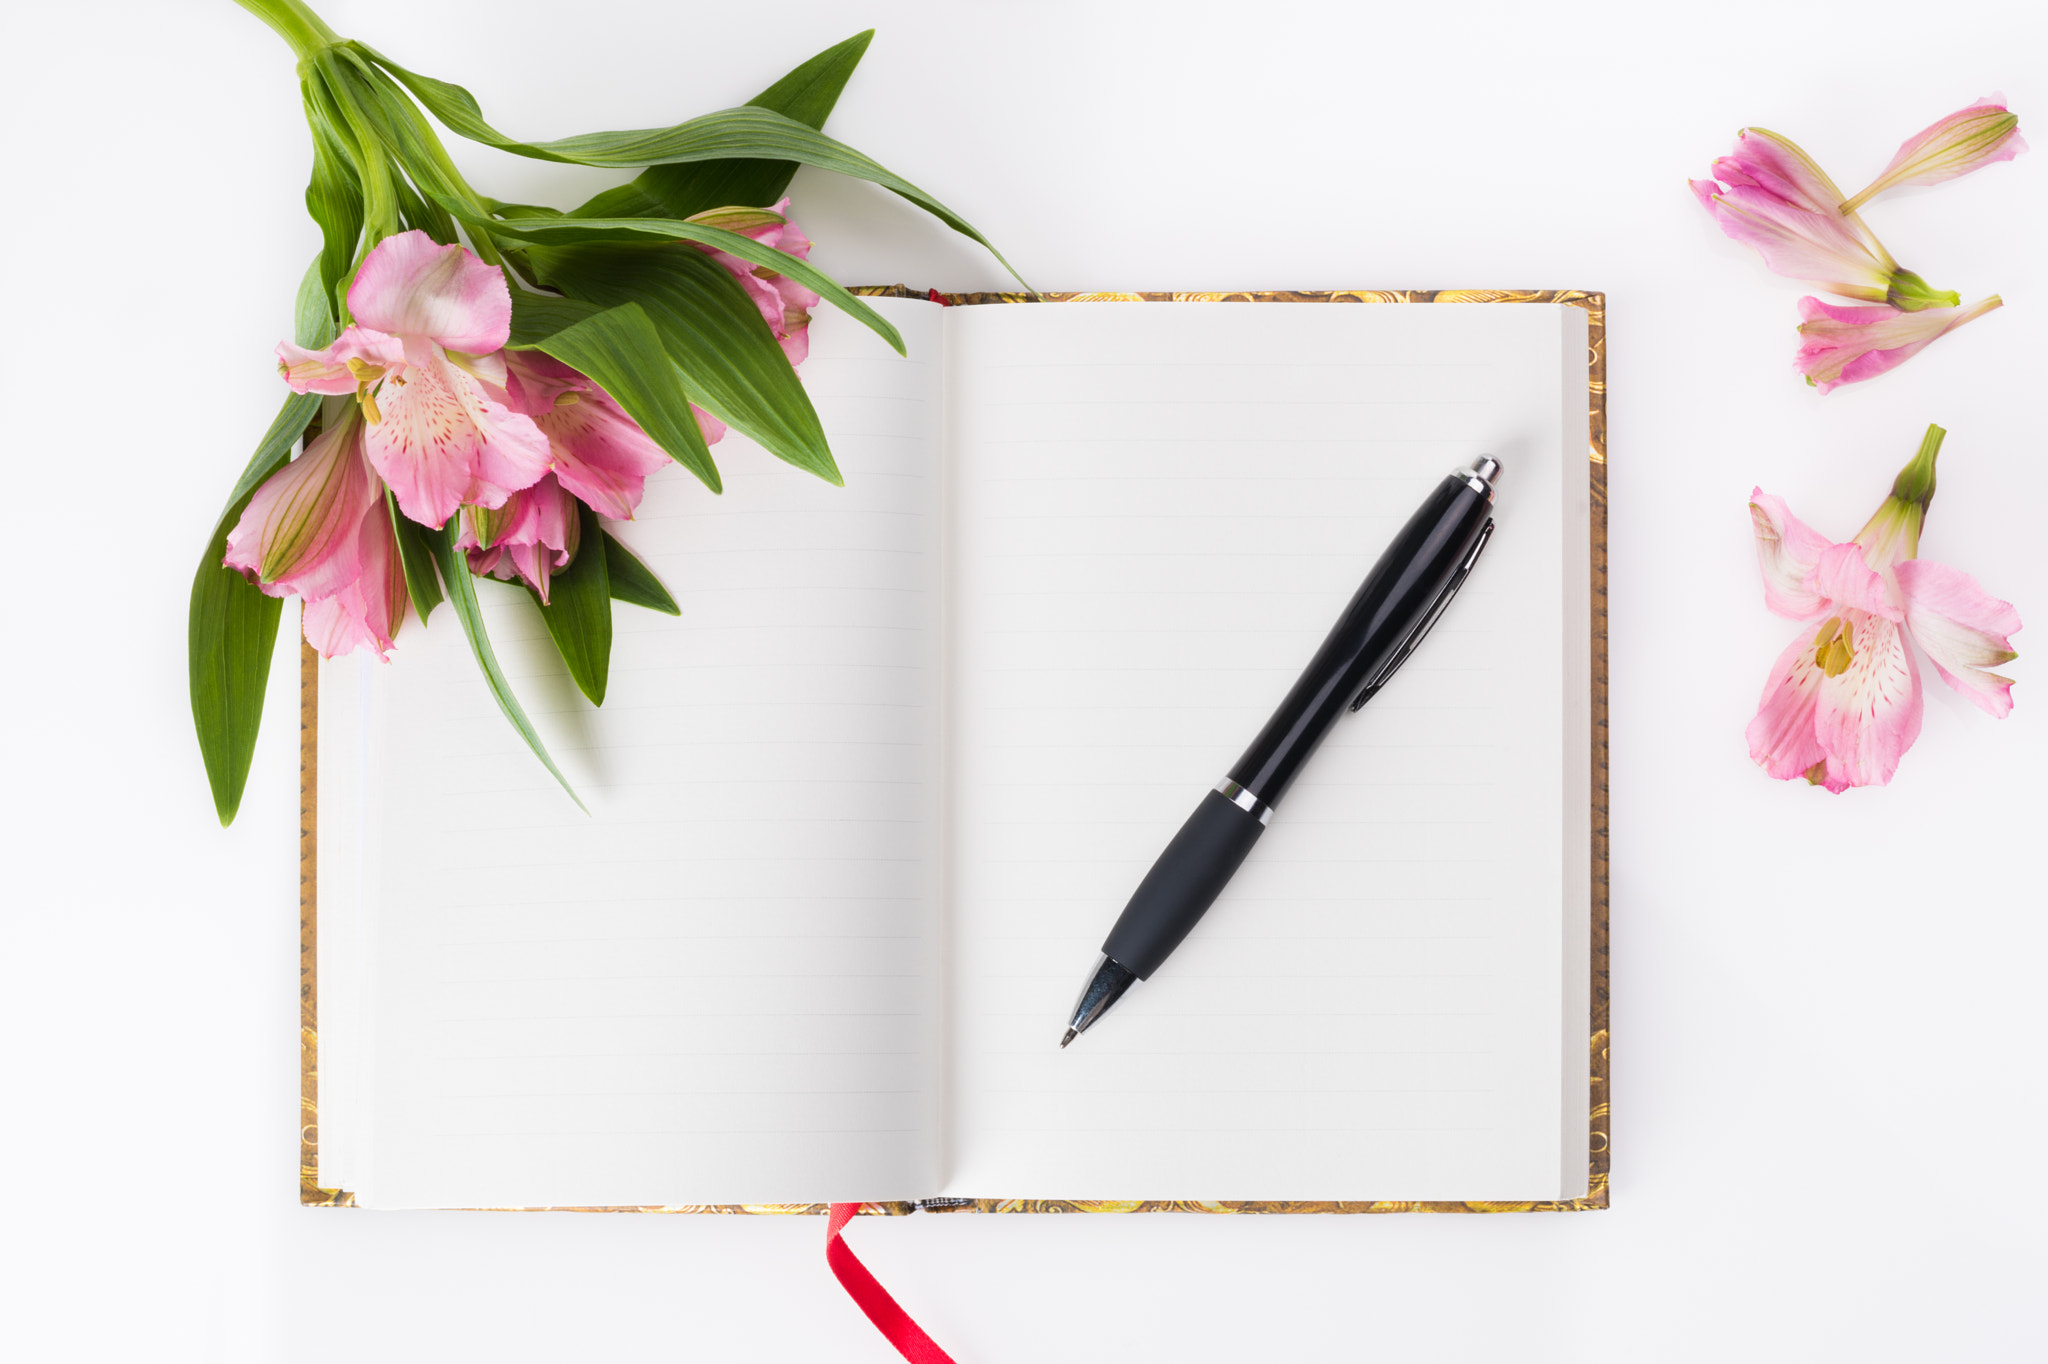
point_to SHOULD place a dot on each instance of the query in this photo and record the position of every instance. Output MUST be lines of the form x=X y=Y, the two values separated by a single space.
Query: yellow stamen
x=567 y=399
x=1828 y=629
x=369 y=402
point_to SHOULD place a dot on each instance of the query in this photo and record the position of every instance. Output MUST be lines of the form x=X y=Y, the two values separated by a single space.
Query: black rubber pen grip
x=1182 y=884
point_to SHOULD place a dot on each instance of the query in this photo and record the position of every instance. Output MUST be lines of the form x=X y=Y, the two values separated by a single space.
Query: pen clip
x=1415 y=637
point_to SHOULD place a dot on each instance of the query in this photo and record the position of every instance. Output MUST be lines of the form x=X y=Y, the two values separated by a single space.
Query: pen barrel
x=1182 y=884
x=1392 y=600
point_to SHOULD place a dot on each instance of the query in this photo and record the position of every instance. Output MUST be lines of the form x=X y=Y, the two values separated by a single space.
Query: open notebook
x=861 y=817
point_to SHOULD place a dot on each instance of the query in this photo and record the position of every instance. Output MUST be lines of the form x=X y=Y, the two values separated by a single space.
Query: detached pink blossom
x=1772 y=197
x=1848 y=345
x=785 y=305
x=421 y=361
x=1843 y=702
x=1967 y=140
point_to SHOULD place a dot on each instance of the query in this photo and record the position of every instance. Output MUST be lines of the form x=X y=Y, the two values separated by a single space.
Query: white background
x=1827 y=1010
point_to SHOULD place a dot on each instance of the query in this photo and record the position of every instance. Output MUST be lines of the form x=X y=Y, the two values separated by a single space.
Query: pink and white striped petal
x=1867 y=716
x=1963 y=629
x=1786 y=551
x=1781 y=737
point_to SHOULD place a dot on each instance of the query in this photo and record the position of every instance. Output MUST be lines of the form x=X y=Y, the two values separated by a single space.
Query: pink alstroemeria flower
x=1848 y=345
x=367 y=612
x=1773 y=198
x=599 y=453
x=784 y=304
x=319 y=528
x=422 y=360
x=1843 y=703
x=527 y=539
x=1967 y=140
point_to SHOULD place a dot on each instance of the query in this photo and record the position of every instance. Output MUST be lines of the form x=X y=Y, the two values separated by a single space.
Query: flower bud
x=1966 y=140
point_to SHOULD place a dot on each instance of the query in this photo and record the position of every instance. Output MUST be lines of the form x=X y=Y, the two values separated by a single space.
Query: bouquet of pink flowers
x=478 y=386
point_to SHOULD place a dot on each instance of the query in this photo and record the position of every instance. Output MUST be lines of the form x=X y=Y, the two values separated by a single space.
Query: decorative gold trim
x=1597 y=1142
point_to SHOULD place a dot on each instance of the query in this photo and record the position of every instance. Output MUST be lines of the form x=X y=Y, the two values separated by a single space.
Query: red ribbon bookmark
x=892 y=1321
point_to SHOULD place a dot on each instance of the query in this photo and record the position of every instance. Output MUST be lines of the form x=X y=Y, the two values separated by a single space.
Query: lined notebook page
x=716 y=988
x=1159 y=510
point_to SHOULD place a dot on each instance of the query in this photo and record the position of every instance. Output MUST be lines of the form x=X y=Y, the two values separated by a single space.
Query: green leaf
x=634 y=582
x=578 y=610
x=313 y=322
x=806 y=94
x=415 y=558
x=334 y=197
x=620 y=350
x=560 y=231
x=729 y=134
x=230 y=634
x=462 y=597
x=713 y=333
x=535 y=317
x=275 y=447
x=231 y=629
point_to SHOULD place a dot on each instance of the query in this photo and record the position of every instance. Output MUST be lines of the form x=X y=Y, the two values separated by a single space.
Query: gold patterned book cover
x=859 y=818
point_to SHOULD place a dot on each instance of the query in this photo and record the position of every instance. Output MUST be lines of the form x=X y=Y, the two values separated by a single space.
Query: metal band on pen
x=1245 y=800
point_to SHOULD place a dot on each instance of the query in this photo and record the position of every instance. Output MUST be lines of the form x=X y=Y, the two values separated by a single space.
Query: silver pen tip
x=1071 y=1035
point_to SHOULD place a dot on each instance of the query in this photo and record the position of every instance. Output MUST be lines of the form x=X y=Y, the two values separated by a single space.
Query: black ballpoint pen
x=1390 y=613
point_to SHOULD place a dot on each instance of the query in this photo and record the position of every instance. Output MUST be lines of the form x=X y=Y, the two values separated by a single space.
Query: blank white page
x=1159 y=511
x=717 y=987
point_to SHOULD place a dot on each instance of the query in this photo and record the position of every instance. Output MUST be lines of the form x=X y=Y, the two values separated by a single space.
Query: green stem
x=294 y=23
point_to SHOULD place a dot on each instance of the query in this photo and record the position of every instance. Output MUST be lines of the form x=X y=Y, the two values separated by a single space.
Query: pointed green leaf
x=536 y=317
x=415 y=558
x=620 y=350
x=231 y=630
x=806 y=94
x=729 y=134
x=313 y=324
x=578 y=610
x=634 y=582
x=230 y=634
x=712 y=331
x=570 y=231
x=462 y=599
x=274 y=449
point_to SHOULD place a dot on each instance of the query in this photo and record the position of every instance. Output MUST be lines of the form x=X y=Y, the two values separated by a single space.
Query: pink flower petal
x=442 y=441
x=1781 y=737
x=1849 y=345
x=1963 y=628
x=1970 y=139
x=600 y=454
x=368 y=612
x=1846 y=579
x=327 y=371
x=1869 y=715
x=1786 y=551
x=410 y=285
x=299 y=532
